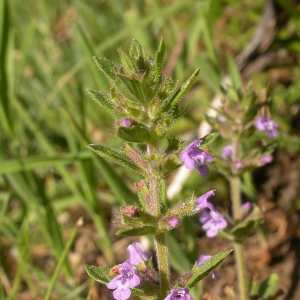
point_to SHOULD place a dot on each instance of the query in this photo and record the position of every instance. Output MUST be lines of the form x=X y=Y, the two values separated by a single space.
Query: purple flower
x=136 y=254
x=247 y=206
x=265 y=159
x=264 y=123
x=212 y=222
x=126 y=122
x=179 y=294
x=174 y=222
x=202 y=203
x=194 y=158
x=201 y=260
x=124 y=282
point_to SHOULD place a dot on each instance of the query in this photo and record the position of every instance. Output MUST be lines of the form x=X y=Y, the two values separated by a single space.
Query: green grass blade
x=60 y=263
x=5 y=115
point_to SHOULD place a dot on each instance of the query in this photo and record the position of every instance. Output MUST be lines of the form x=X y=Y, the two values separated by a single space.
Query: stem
x=235 y=190
x=156 y=200
x=241 y=268
x=163 y=264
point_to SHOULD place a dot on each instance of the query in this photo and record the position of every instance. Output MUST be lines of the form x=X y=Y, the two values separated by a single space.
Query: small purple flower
x=227 y=152
x=126 y=122
x=124 y=282
x=264 y=123
x=202 y=203
x=173 y=222
x=265 y=159
x=212 y=222
x=239 y=164
x=247 y=206
x=201 y=260
x=179 y=294
x=194 y=158
x=136 y=254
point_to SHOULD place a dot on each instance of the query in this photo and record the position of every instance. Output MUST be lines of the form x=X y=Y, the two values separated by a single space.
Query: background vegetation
x=49 y=179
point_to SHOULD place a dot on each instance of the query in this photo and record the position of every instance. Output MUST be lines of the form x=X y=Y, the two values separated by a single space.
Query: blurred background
x=49 y=179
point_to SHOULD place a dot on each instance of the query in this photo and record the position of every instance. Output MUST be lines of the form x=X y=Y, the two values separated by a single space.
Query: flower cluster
x=212 y=221
x=127 y=278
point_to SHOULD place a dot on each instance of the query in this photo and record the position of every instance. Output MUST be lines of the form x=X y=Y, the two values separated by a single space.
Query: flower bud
x=247 y=206
x=126 y=123
x=265 y=159
x=239 y=164
x=130 y=211
x=174 y=222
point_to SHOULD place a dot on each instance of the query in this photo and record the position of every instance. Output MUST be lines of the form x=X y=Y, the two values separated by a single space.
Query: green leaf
x=136 y=231
x=208 y=139
x=181 y=265
x=181 y=91
x=204 y=269
x=116 y=157
x=173 y=145
x=243 y=229
x=269 y=149
x=100 y=274
x=102 y=101
x=135 y=49
x=170 y=164
x=159 y=60
x=134 y=134
x=267 y=288
x=107 y=67
x=130 y=88
x=128 y=63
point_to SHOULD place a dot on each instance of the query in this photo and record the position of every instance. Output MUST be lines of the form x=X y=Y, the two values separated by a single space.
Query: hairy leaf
x=204 y=269
x=181 y=91
x=103 y=101
x=159 y=60
x=208 y=139
x=116 y=157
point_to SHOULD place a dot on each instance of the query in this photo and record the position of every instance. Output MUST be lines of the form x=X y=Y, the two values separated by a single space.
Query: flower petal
x=272 y=133
x=122 y=294
x=212 y=232
x=134 y=281
x=208 y=157
x=203 y=170
x=113 y=284
x=202 y=203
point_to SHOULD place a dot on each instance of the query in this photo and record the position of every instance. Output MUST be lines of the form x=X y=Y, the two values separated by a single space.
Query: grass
x=47 y=118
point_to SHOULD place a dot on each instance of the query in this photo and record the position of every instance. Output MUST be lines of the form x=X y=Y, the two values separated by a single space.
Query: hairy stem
x=163 y=264
x=156 y=200
x=235 y=190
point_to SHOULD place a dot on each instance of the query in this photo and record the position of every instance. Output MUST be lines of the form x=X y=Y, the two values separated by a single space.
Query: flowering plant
x=145 y=105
